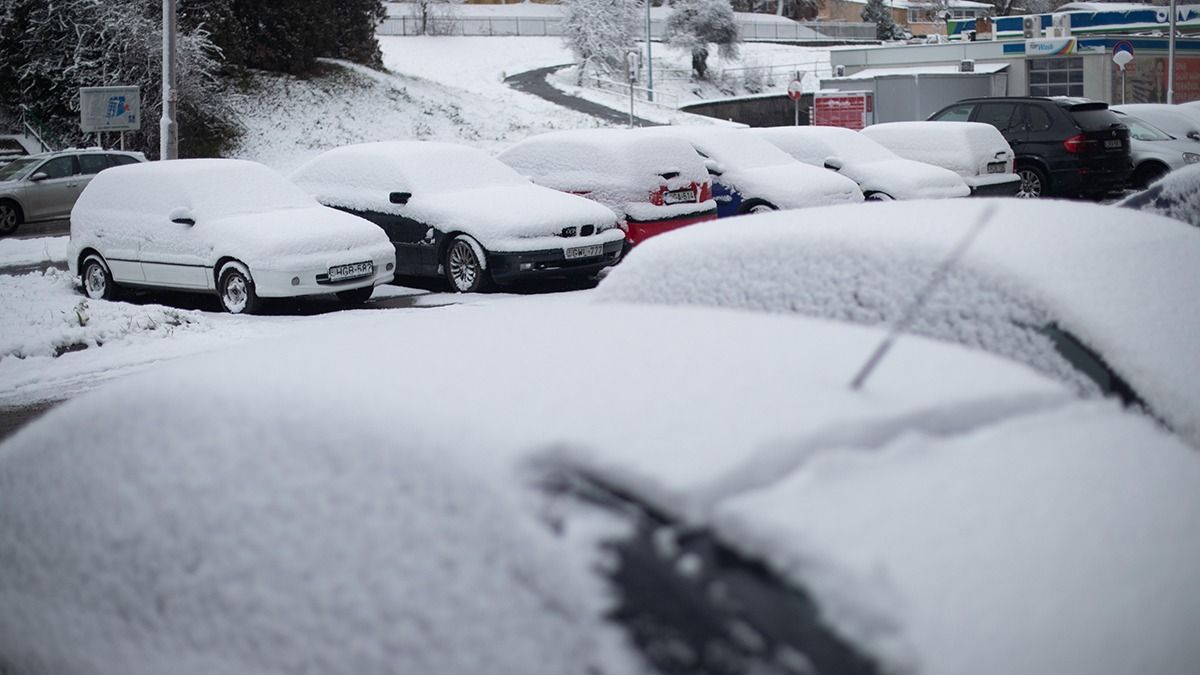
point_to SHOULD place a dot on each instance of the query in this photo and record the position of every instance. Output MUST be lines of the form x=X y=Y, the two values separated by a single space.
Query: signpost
x=104 y=109
x=795 y=91
x=1122 y=56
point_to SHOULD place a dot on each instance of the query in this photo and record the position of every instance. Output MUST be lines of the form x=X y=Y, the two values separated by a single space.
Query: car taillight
x=1075 y=144
x=705 y=191
x=656 y=197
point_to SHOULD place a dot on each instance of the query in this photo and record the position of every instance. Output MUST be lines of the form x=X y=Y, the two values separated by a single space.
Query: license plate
x=997 y=167
x=584 y=251
x=679 y=197
x=1113 y=144
x=351 y=271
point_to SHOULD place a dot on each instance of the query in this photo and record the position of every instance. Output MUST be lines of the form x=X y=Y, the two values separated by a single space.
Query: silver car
x=1155 y=153
x=45 y=187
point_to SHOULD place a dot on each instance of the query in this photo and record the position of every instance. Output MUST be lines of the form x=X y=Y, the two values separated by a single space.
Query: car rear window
x=1092 y=119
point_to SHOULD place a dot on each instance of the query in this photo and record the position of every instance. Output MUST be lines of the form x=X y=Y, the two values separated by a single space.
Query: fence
x=640 y=93
x=766 y=31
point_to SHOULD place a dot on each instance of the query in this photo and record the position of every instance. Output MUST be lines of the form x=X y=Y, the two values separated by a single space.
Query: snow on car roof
x=962 y=147
x=308 y=504
x=814 y=144
x=1122 y=283
x=731 y=147
x=605 y=156
x=1176 y=195
x=212 y=188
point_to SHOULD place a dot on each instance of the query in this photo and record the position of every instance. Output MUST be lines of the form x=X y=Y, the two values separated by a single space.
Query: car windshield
x=17 y=168
x=740 y=151
x=1144 y=131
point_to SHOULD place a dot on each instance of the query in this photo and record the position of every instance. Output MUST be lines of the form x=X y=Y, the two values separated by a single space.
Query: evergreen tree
x=695 y=24
x=880 y=14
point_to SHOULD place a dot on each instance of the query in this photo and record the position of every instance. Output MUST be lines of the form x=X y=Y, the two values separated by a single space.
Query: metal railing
x=640 y=93
x=752 y=31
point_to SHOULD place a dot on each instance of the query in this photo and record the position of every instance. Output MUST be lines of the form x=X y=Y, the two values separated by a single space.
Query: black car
x=1064 y=146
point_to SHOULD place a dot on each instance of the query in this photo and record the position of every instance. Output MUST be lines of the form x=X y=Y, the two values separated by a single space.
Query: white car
x=1154 y=152
x=975 y=151
x=652 y=184
x=1098 y=297
x=1178 y=120
x=358 y=498
x=881 y=174
x=752 y=176
x=460 y=213
x=232 y=227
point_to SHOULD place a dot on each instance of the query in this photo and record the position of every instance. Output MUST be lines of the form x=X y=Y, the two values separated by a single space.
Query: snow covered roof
x=1119 y=282
x=917 y=4
x=342 y=500
x=1104 y=7
x=916 y=71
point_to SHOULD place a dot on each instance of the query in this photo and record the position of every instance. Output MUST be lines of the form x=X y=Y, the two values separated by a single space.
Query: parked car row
x=45 y=186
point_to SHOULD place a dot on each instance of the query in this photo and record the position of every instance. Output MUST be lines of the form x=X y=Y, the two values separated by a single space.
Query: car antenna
x=918 y=302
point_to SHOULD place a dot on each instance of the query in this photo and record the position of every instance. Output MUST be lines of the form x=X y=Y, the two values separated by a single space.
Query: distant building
x=919 y=18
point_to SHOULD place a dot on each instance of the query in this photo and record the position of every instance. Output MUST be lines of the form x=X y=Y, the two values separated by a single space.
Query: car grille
x=585 y=231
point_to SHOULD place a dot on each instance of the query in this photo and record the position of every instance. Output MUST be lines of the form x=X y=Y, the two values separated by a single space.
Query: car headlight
x=1191 y=157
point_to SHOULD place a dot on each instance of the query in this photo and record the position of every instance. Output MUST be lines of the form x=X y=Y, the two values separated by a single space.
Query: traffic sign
x=1123 y=46
x=795 y=90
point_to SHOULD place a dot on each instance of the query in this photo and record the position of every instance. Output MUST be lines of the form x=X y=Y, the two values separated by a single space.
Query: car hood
x=498 y=214
x=1170 y=152
x=906 y=179
x=793 y=185
x=275 y=239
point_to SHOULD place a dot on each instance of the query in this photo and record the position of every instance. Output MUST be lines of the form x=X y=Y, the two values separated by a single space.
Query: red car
x=653 y=184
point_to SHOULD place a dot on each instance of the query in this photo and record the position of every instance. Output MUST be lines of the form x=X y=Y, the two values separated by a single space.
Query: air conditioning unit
x=839 y=71
x=1061 y=27
x=966 y=66
x=1032 y=26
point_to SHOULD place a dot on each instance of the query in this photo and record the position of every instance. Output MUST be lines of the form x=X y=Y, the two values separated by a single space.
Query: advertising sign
x=848 y=109
x=110 y=109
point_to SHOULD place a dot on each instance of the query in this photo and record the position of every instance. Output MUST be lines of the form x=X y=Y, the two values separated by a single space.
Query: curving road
x=534 y=82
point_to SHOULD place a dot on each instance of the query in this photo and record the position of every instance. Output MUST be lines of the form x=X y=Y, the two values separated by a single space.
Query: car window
x=1144 y=131
x=92 y=164
x=1092 y=119
x=59 y=167
x=958 y=113
x=16 y=168
x=1003 y=116
x=1037 y=118
x=122 y=160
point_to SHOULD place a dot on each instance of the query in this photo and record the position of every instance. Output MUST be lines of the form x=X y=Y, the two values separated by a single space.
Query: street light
x=168 y=141
x=649 y=59
x=1171 y=58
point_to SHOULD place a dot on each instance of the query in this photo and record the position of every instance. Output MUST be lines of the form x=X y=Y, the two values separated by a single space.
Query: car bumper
x=640 y=230
x=293 y=283
x=1091 y=180
x=1003 y=188
x=508 y=267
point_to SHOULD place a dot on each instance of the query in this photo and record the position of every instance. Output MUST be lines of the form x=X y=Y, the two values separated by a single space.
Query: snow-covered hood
x=268 y=239
x=905 y=179
x=497 y=213
x=793 y=185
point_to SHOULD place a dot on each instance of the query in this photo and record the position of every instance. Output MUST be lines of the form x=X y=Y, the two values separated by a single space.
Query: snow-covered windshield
x=17 y=168
x=242 y=188
x=738 y=150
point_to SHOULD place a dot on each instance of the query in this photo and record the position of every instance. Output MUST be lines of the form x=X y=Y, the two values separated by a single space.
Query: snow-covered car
x=975 y=151
x=1177 y=120
x=1098 y=297
x=224 y=226
x=752 y=176
x=959 y=515
x=460 y=213
x=652 y=184
x=1155 y=152
x=881 y=174
x=45 y=186
x=1176 y=195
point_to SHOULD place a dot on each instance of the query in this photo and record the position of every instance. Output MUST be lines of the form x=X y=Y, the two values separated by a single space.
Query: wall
x=757 y=111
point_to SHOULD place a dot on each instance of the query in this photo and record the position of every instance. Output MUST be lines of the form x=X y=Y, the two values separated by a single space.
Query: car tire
x=235 y=288
x=878 y=197
x=756 y=206
x=1034 y=184
x=355 y=296
x=1147 y=174
x=96 y=279
x=463 y=267
x=10 y=217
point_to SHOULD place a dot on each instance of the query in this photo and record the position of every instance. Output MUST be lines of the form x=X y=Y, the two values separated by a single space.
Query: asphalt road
x=50 y=228
x=534 y=82
x=13 y=418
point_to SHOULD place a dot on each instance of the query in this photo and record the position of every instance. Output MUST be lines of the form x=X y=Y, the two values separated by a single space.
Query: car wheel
x=235 y=287
x=97 y=280
x=464 y=269
x=878 y=197
x=10 y=217
x=1149 y=173
x=1033 y=182
x=757 y=206
x=356 y=296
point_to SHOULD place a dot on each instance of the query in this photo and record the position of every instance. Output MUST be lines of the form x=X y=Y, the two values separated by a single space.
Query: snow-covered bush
x=695 y=24
x=601 y=32
x=880 y=14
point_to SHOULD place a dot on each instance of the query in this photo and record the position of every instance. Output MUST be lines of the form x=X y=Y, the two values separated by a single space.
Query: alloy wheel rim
x=235 y=293
x=463 y=265
x=1031 y=185
x=94 y=281
x=8 y=217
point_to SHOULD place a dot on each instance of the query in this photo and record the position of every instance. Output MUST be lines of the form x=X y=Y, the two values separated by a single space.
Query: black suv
x=1063 y=146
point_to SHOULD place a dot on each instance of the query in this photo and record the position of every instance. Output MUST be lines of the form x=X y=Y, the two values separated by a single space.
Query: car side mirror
x=713 y=166
x=1194 y=135
x=38 y=177
x=399 y=197
x=182 y=216
x=833 y=163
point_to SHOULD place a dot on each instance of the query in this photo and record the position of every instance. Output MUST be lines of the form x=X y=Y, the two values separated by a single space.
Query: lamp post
x=1171 y=58
x=168 y=141
x=649 y=58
